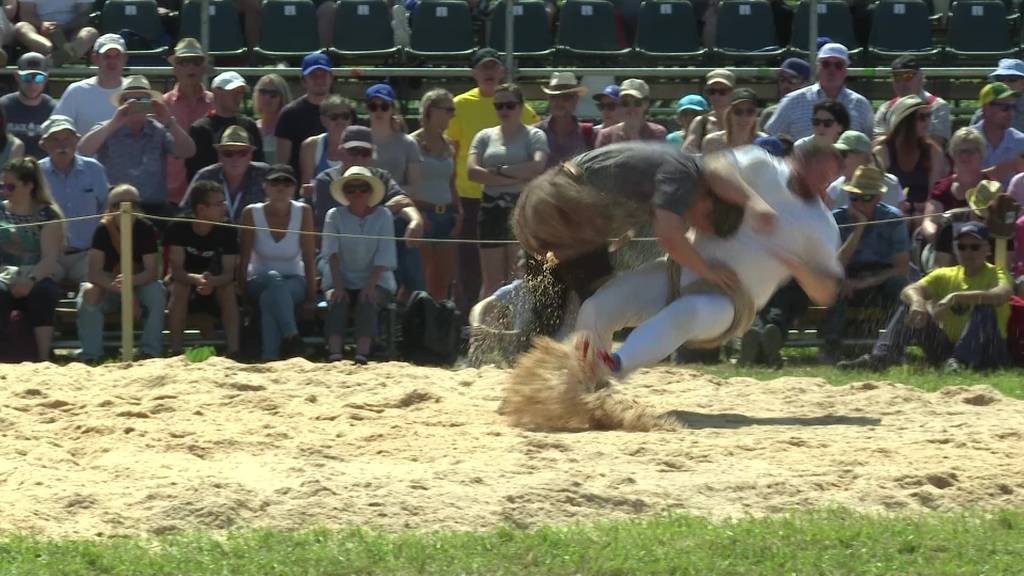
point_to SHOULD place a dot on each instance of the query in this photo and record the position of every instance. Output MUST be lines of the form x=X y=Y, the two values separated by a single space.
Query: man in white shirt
x=91 y=101
x=56 y=28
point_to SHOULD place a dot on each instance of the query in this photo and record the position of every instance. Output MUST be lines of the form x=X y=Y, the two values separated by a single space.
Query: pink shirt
x=617 y=133
x=186 y=112
x=1016 y=189
x=1018 y=243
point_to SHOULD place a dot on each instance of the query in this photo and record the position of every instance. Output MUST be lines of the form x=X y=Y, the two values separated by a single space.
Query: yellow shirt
x=944 y=281
x=473 y=113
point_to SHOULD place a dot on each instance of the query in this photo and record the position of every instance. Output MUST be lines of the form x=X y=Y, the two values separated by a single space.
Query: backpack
x=1015 y=331
x=431 y=330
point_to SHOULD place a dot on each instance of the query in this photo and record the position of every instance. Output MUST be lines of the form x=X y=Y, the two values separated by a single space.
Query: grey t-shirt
x=492 y=150
x=25 y=122
x=396 y=154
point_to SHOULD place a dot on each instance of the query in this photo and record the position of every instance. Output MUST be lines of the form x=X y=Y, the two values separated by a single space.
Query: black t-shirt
x=143 y=242
x=202 y=253
x=207 y=131
x=299 y=120
x=26 y=122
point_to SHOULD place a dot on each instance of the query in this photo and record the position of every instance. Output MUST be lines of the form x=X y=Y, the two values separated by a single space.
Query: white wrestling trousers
x=638 y=299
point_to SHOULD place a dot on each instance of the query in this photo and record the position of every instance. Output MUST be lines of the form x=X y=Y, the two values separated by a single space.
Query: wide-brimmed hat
x=135 y=85
x=867 y=180
x=234 y=137
x=979 y=197
x=358 y=173
x=187 y=48
x=564 y=83
x=56 y=123
x=1008 y=67
x=903 y=108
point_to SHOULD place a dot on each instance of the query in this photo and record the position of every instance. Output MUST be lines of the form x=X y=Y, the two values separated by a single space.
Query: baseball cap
x=743 y=95
x=611 y=91
x=796 y=67
x=281 y=172
x=976 y=229
x=484 y=54
x=720 y=77
x=905 y=62
x=357 y=137
x=692 y=102
x=33 y=62
x=56 y=123
x=315 y=61
x=634 y=87
x=381 y=92
x=853 y=141
x=834 y=50
x=108 y=41
x=1008 y=67
x=995 y=91
x=229 y=80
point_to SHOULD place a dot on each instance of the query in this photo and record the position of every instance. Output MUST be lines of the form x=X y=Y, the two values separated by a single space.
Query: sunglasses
x=718 y=91
x=268 y=92
x=378 y=106
x=32 y=77
x=189 y=61
x=904 y=76
x=360 y=152
x=608 y=106
x=448 y=109
x=862 y=197
x=826 y=122
x=234 y=153
x=499 y=106
x=356 y=189
x=749 y=111
x=280 y=181
x=346 y=116
x=969 y=247
x=837 y=64
x=1004 y=106
x=631 y=103
x=8 y=186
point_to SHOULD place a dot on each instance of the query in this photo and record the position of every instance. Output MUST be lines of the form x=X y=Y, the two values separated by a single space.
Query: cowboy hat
x=187 y=48
x=564 y=83
x=358 y=173
x=135 y=85
x=234 y=137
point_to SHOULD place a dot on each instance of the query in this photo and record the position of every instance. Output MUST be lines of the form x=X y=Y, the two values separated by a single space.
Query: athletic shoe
x=771 y=345
x=865 y=362
x=596 y=364
x=952 y=366
x=750 y=345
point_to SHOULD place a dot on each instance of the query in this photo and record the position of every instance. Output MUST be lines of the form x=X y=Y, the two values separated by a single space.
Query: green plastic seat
x=289 y=29
x=142 y=19
x=668 y=28
x=587 y=28
x=226 y=38
x=978 y=29
x=901 y=27
x=442 y=29
x=746 y=31
x=834 y=21
x=362 y=30
x=532 y=35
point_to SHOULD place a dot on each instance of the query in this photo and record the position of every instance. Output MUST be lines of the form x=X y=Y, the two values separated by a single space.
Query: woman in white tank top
x=278 y=266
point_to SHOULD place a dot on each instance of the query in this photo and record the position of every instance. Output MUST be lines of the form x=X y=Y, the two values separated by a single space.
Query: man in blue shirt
x=79 y=186
x=1004 y=144
x=875 y=254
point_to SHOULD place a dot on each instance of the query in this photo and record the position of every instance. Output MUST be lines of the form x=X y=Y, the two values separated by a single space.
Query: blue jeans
x=278 y=295
x=410 y=267
x=152 y=297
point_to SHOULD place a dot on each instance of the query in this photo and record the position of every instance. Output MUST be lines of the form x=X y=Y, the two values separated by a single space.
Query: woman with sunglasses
x=634 y=101
x=101 y=293
x=278 y=266
x=323 y=151
x=908 y=153
x=503 y=158
x=718 y=86
x=12 y=148
x=740 y=121
x=437 y=197
x=28 y=256
x=829 y=119
x=272 y=94
x=360 y=275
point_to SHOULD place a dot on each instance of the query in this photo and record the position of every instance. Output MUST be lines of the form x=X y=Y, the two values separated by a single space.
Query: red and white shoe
x=596 y=362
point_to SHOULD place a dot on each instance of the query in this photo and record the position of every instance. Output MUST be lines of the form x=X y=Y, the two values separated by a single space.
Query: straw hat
x=234 y=137
x=905 y=107
x=187 y=48
x=358 y=173
x=564 y=83
x=867 y=180
x=135 y=86
x=979 y=197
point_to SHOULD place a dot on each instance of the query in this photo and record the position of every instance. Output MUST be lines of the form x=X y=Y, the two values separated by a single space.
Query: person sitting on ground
x=856 y=151
x=240 y=176
x=59 y=30
x=203 y=260
x=79 y=186
x=739 y=122
x=101 y=293
x=957 y=314
x=135 y=144
x=360 y=272
x=875 y=255
x=688 y=108
x=278 y=266
x=28 y=108
x=635 y=101
x=323 y=151
x=28 y=255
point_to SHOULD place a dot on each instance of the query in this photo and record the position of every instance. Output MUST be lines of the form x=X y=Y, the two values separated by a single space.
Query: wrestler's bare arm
x=724 y=181
x=821 y=287
x=670 y=228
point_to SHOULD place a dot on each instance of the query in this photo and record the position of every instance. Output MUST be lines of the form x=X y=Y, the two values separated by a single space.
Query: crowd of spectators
x=323 y=163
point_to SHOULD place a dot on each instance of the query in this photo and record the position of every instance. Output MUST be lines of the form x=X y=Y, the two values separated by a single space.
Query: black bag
x=431 y=331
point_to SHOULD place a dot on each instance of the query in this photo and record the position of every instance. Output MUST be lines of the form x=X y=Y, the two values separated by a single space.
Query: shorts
x=439 y=226
x=493 y=224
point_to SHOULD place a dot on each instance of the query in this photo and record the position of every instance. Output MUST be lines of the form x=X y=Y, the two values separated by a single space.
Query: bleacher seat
x=587 y=28
x=288 y=29
x=900 y=27
x=532 y=36
x=226 y=38
x=442 y=29
x=978 y=29
x=746 y=29
x=362 y=30
x=142 y=19
x=668 y=28
x=834 y=21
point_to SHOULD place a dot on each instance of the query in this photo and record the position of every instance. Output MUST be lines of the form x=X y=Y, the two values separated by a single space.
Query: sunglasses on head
x=969 y=247
x=378 y=106
x=234 y=153
x=32 y=77
x=826 y=122
x=717 y=91
x=608 y=106
x=499 y=106
x=837 y=64
x=360 y=152
x=335 y=116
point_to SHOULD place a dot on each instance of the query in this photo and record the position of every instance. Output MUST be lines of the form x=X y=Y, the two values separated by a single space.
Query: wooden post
x=127 y=296
x=1001 y=257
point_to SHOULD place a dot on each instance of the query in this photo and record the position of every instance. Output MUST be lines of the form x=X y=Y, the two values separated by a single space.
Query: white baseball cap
x=834 y=50
x=108 y=41
x=230 y=80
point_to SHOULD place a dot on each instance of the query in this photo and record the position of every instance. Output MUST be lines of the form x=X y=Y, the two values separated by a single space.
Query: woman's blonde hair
x=122 y=190
x=27 y=170
x=727 y=122
x=431 y=99
x=966 y=137
x=276 y=82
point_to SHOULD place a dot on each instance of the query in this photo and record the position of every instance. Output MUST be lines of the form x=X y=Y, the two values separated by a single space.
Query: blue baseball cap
x=771 y=144
x=976 y=229
x=315 y=61
x=611 y=91
x=692 y=102
x=381 y=92
x=796 y=67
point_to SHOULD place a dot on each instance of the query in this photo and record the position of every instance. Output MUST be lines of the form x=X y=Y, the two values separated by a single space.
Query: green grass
x=833 y=542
